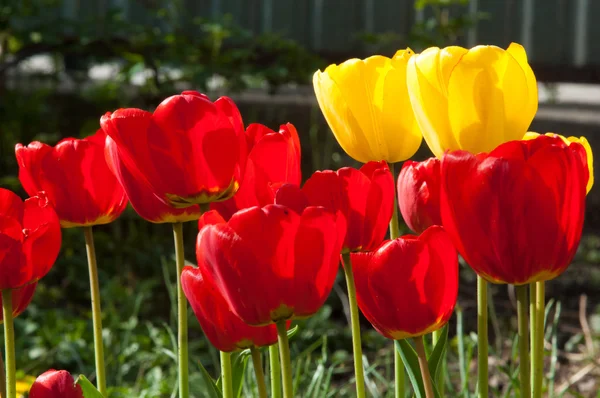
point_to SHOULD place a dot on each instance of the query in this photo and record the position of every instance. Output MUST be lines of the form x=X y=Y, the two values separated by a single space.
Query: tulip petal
x=11 y=205
x=222 y=327
x=427 y=79
x=518 y=53
x=316 y=260
x=340 y=118
x=140 y=192
x=487 y=95
x=43 y=237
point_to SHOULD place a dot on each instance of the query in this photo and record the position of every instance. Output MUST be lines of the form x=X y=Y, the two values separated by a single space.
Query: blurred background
x=64 y=63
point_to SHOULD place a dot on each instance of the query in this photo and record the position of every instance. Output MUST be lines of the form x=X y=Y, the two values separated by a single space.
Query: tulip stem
x=286 y=362
x=482 y=337
x=538 y=354
x=425 y=375
x=258 y=371
x=226 y=381
x=9 y=343
x=355 y=325
x=182 y=324
x=435 y=336
x=96 y=310
x=523 y=330
x=533 y=332
x=275 y=368
x=395 y=233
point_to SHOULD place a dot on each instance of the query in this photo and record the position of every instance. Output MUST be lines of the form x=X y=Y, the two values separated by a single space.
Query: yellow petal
x=427 y=80
x=530 y=135
x=487 y=93
x=366 y=105
x=400 y=129
x=518 y=52
x=339 y=117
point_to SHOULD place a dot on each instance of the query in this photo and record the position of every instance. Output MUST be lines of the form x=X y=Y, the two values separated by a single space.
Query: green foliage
x=89 y=391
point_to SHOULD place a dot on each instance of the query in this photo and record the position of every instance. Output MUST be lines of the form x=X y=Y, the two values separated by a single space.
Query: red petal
x=419 y=194
x=206 y=145
x=379 y=205
x=55 y=384
x=222 y=327
x=30 y=160
x=140 y=193
x=356 y=187
x=210 y=217
x=42 y=237
x=11 y=206
x=316 y=261
x=291 y=196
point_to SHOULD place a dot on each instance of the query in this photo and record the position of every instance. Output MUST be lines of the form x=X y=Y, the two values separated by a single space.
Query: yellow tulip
x=366 y=105
x=472 y=99
x=567 y=140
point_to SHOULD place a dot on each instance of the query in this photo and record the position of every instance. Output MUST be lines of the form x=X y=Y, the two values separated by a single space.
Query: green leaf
x=212 y=390
x=292 y=332
x=411 y=364
x=436 y=359
x=238 y=370
x=89 y=391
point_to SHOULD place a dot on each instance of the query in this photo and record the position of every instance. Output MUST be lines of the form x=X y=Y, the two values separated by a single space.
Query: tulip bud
x=55 y=384
x=419 y=194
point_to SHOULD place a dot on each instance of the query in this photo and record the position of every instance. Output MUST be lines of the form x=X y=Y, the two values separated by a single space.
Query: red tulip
x=225 y=330
x=76 y=179
x=364 y=197
x=55 y=384
x=419 y=194
x=141 y=197
x=30 y=239
x=272 y=263
x=189 y=151
x=273 y=160
x=21 y=298
x=408 y=286
x=516 y=214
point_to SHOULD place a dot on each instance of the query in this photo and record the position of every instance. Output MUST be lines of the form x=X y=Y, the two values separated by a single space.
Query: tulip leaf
x=238 y=370
x=212 y=390
x=88 y=389
x=293 y=331
x=411 y=364
x=436 y=359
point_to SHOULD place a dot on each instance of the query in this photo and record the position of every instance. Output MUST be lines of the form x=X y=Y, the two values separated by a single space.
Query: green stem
x=425 y=375
x=96 y=310
x=482 y=337
x=226 y=380
x=532 y=329
x=538 y=354
x=275 y=368
x=395 y=233
x=9 y=343
x=182 y=324
x=435 y=337
x=258 y=371
x=355 y=325
x=286 y=362
x=523 y=330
